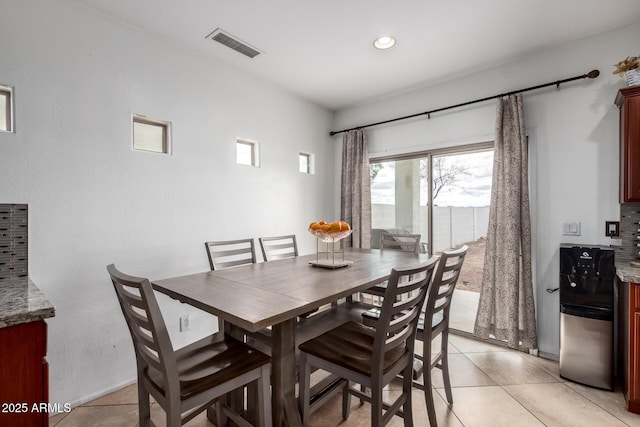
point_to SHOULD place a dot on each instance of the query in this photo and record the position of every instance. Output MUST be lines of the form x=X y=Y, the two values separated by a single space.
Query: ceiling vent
x=233 y=43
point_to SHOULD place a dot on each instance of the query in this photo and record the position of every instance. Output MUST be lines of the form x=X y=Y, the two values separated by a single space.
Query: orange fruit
x=325 y=228
x=344 y=226
x=321 y=222
x=314 y=226
x=335 y=226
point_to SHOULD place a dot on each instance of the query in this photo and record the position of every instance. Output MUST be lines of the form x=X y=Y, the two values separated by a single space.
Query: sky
x=472 y=186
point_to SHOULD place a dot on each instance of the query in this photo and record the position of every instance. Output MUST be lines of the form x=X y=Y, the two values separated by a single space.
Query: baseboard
x=549 y=356
x=98 y=394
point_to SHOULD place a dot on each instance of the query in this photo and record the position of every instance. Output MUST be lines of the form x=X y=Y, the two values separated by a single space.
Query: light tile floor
x=492 y=386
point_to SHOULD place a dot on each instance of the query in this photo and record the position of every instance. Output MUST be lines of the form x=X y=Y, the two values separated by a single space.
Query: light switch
x=570 y=228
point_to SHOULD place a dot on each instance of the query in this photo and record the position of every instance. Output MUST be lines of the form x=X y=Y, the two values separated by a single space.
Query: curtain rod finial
x=593 y=74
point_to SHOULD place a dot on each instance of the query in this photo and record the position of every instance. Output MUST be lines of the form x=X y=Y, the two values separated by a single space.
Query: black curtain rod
x=591 y=75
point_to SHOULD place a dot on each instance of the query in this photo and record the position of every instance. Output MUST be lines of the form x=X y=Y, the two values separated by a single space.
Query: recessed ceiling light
x=384 y=42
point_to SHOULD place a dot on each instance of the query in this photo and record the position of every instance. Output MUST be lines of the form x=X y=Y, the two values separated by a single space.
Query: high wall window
x=151 y=135
x=6 y=109
x=247 y=153
x=306 y=163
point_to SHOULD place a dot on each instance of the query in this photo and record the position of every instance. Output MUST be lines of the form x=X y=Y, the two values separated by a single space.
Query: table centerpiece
x=327 y=235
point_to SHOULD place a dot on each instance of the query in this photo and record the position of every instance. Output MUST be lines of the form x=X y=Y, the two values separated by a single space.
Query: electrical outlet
x=185 y=322
x=612 y=229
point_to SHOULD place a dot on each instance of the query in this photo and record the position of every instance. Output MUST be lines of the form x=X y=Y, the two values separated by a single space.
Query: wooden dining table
x=273 y=294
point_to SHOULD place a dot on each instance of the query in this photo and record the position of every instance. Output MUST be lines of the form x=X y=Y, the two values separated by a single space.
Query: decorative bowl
x=330 y=236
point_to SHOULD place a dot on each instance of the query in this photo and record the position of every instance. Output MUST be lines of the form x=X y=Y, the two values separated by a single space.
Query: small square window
x=247 y=153
x=306 y=163
x=6 y=109
x=151 y=135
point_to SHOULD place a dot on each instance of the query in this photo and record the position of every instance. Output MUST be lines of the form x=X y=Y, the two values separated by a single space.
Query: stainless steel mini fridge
x=587 y=276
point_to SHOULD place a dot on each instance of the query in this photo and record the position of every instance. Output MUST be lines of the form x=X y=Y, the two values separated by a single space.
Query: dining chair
x=435 y=313
x=394 y=241
x=187 y=381
x=372 y=356
x=405 y=242
x=434 y=322
x=278 y=247
x=230 y=253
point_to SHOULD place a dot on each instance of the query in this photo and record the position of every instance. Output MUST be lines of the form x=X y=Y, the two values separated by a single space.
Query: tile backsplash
x=629 y=232
x=14 y=234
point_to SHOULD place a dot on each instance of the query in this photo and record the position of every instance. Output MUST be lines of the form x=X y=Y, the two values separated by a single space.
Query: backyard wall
x=452 y=225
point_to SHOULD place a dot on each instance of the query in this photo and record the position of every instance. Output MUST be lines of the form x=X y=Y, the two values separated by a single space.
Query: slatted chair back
x=230 y=253
x=151 y=340
x=278 y=247
x=434 y=322
x=397 y=323
x=404 y=242
x=438 y=303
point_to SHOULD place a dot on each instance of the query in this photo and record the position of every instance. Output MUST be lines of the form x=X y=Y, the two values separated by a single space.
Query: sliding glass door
x=444 y=196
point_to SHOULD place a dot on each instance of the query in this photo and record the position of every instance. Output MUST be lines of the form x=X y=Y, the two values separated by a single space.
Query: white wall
x=573 y=142
x=78 y=78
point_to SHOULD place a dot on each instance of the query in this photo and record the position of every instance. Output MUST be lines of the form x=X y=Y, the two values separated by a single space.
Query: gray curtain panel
x=355 y=199
x=506 y=309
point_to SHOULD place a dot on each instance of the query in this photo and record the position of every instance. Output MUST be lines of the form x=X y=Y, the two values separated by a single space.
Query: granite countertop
x=22 y=302
x=627 y=273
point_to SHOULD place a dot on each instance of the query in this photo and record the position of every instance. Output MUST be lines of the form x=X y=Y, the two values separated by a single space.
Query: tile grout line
x=501 y=386
x=598 y=405
x=564 y=382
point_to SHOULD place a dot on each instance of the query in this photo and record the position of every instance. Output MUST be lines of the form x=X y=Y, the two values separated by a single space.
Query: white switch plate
x=570 y=228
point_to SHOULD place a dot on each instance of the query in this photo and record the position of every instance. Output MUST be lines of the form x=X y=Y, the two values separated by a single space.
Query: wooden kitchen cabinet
x=24 y=375
x=628 y=101
x=629 y=340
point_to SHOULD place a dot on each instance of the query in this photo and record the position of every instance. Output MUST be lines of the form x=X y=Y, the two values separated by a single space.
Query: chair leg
x=144 y=408
x=431 y=409
x=376 y=406
x=428 y=389
x=444 y=366
x=221 y=417
x=407 y=408
x=264 y=398
x=346 y=401
x=254 y=403
x=259 y=399
x=304 y=391
x=418 y=367
x=363 y=389
x=174 y=417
